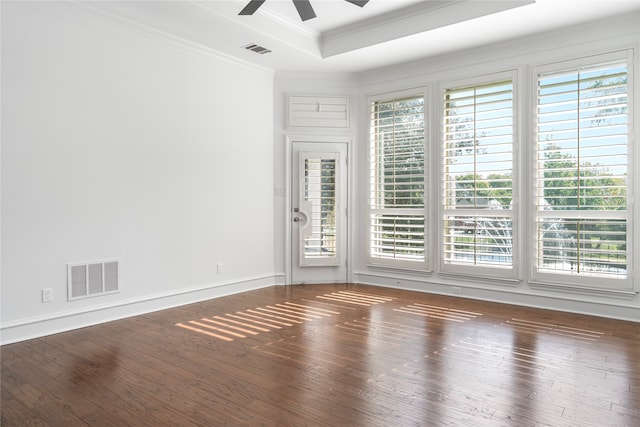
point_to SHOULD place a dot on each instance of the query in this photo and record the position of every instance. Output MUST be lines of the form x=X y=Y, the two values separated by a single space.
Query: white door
x=319 y=212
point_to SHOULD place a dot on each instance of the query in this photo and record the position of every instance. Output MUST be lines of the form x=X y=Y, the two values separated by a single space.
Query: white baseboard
x=25 y=329
x=612 y=308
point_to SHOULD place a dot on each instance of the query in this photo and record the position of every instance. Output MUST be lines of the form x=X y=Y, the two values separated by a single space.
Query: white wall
x=117 y=144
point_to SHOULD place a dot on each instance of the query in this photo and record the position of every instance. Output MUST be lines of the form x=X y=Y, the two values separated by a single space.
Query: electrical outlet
x=47 y=295
x=456 y=290
x=219 y=267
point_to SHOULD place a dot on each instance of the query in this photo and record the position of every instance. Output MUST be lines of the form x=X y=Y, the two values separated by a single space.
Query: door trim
x=290 y=139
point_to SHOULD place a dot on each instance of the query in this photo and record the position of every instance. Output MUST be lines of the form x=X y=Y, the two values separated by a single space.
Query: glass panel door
x=318 y=215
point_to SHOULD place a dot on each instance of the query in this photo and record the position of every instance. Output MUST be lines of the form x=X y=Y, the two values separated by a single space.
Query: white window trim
x=584 y=283
x=507 y=273
x=392 y=263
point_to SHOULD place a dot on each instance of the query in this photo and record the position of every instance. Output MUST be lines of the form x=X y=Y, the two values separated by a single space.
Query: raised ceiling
x=346 y=38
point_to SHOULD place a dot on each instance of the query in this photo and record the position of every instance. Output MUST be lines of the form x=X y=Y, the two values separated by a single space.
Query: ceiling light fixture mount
x=305 y=10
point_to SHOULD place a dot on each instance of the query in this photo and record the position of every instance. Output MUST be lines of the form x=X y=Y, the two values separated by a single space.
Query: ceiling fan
x=303 y=6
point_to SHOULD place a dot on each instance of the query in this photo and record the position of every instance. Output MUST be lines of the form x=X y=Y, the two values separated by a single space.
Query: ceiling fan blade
x=304 y=9
x=360 y=3
x=250 y=8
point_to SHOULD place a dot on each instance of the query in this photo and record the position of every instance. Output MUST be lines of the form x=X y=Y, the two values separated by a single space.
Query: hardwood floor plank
x=15 y=410
x=330 y=355
x=47 y=399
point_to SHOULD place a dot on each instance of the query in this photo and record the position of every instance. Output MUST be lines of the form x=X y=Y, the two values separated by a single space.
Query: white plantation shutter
x=319 y=201
x=478 y=176
x=582 y=173
x=397 y=175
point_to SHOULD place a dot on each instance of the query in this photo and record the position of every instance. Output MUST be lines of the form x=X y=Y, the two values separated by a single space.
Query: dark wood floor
x=330 y=355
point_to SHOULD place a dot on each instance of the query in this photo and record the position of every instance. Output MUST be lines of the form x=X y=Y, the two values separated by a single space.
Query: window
x=397 y=215
x=478 y=178
x=582 y=182
x=319 y=202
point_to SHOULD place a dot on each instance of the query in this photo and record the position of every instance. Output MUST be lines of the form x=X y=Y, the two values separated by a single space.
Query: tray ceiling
x=347 y=38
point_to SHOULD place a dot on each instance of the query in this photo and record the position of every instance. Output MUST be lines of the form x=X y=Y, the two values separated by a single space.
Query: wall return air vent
x=89 y=279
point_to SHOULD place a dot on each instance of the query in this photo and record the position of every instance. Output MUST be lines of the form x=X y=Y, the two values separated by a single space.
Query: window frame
x=503 y=273
x=584 y=282
x=423 y=264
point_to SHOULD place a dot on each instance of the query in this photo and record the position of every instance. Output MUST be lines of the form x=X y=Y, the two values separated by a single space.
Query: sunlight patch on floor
x=251 y=322
x=357 y=298
x=552 y=329
x=438 y=312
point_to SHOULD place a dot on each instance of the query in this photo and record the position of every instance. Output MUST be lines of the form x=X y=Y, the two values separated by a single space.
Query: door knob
x=296 y=209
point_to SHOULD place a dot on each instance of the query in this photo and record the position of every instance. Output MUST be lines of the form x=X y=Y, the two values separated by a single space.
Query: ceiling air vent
x=257 y=48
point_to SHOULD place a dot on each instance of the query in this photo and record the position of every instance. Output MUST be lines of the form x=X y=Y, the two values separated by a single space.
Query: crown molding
x=152 y=34
x=418 y=18
x=614 y=33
